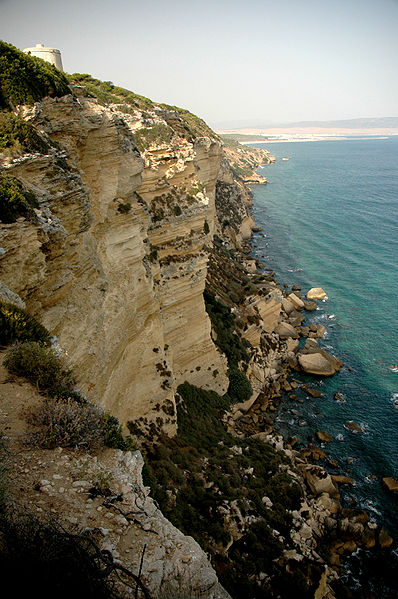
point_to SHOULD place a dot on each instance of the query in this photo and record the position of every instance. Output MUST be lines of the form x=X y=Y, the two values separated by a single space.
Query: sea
x=329 y=218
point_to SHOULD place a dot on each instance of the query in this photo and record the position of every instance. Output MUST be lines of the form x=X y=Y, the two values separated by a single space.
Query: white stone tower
x=51 y=55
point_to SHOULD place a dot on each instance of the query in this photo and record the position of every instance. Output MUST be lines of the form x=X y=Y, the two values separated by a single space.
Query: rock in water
x=316 y=364
x=324 y=437
x=309 y=306
x=391 y=484
x=385 y=540
x=313 y=392
x=315 y=360
x=316 y=293
x=353 y=426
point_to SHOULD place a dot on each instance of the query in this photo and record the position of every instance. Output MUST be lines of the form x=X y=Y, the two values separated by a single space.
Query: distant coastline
x=295 y=139
x=303 y=134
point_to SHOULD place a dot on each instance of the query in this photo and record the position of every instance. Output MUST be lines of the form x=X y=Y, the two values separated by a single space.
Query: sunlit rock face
x=115 y=265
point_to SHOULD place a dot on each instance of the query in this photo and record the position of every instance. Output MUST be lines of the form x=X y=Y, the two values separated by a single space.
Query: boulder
x=315 y=360
x=316 y=293
x=313 y=392
x=313 y=452
x=319 y=481
x=353 y=426
x=316 y=364
x=296 y=301
x=324 y=437
x=295 y=318
x=385 y=540
x=284 y=330
x=309 y=306
x=292 y=345
x=339 y=397
x=287 y=305
x=340 y=479
x=269 y=309
x=391 y=484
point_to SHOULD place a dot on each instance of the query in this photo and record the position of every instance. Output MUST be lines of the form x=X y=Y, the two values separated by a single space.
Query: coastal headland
x=126 y=256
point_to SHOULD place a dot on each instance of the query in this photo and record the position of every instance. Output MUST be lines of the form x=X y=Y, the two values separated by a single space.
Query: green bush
x=18 y=325
x=42 y=367
x=26 y=79
x=106 y=92
x=18 y=136
x=239 y=388
x=224 y=324
x=15 y=200
x=113 y=436
x=158 y=134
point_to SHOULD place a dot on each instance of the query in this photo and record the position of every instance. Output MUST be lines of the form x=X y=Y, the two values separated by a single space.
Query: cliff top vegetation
x=106 y=92
x=26 y=79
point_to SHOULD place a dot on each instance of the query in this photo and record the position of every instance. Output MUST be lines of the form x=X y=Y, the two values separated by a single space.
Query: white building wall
x=51 y=55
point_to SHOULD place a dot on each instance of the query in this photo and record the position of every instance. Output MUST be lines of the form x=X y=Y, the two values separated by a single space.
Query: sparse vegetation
x=158 y=134
x=124 y=207
x=19 y=137
x=42 y=367
x=66 y=423
x=107 y=93
x=203 y=470
x=17 y=325
x=15 y=200
x=26 y=79
x=189 y=126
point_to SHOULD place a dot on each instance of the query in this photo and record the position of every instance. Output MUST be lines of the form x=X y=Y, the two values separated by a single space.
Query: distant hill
x=362 y=123
x=388 y=122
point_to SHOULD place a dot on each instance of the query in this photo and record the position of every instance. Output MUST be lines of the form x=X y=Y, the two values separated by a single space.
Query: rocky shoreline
x=322 y=525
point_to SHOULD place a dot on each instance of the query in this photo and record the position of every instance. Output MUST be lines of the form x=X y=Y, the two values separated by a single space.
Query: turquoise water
x=330 y=219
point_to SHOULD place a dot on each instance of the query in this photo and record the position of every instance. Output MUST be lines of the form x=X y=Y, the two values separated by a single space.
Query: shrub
x=106 y=92
x=18 y=325
x=113 y=436
x=26 y=79
x=18 y=136
x=15 y=200
x=239 y=388
x=158 y=133
x=66 y=423
x=42 y=367
x=223 y=322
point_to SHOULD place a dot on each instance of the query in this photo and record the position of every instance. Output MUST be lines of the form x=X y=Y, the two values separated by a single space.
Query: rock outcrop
x=115 y=264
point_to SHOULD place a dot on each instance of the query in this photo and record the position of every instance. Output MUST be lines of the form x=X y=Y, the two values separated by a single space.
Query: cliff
x=125 y=230
x=114 y=264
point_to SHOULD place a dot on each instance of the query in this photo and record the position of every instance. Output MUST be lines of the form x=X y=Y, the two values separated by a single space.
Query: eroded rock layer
x=114 y=264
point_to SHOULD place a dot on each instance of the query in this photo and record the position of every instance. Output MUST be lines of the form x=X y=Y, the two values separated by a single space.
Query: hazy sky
x=227 y=61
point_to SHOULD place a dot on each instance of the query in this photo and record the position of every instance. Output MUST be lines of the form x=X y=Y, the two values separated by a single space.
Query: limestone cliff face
x=115 y=264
